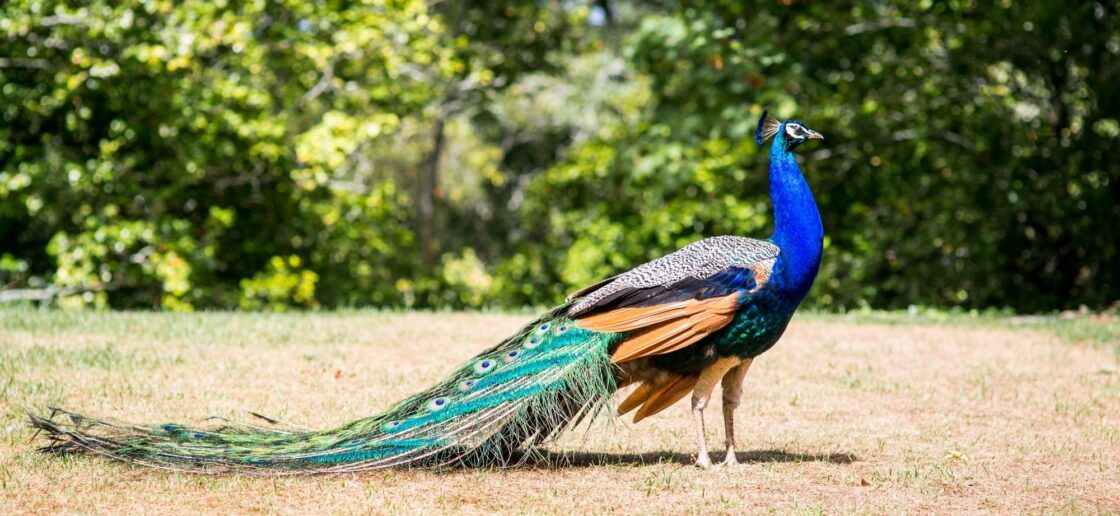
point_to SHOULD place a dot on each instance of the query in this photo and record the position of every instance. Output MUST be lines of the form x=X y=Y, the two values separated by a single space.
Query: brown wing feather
x=657 y=330
x=636 y=398
x=663 y=328
x=669 y=393
x=628 y=319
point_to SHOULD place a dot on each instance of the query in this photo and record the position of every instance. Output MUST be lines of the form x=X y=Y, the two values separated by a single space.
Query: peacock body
x=677 y=325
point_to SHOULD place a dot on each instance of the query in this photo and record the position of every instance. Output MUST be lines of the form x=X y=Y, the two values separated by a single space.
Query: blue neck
x=797 y=223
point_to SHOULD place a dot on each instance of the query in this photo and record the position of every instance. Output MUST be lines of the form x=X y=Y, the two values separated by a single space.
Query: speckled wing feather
x=697 y=261
x=674 y=302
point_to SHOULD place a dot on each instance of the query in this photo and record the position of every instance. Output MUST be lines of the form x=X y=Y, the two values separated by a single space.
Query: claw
x=704 y=462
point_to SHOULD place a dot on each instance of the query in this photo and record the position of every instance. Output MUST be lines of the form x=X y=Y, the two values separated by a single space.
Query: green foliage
x=162 y=153
x=291 y=154
x=966 y=156
x=284 y=283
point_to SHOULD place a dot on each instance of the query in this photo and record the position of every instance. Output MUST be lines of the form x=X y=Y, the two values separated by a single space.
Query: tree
x=292 y=154
x=964 y=165
x=164 y=152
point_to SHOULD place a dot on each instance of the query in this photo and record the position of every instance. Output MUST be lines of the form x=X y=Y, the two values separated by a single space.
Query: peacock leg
x=732 y=393
x=709 y=377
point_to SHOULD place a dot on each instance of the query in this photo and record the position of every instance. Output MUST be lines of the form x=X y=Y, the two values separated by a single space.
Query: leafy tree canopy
x=291 y=154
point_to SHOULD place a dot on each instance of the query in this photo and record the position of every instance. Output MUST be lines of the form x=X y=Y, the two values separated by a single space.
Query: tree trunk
x=429 y=181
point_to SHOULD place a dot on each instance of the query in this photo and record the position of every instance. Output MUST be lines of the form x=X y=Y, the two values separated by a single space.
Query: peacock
x=677 y=325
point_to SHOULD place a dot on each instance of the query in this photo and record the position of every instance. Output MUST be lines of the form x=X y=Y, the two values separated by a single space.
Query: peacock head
x=791 y=133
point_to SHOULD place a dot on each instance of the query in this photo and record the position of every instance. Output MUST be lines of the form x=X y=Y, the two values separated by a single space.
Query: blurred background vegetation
x=284 y=154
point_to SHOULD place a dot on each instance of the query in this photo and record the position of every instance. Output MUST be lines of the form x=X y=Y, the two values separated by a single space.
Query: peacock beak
x=813 y=135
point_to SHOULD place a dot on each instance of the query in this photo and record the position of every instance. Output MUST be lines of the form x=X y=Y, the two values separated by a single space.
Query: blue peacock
x=675 y=326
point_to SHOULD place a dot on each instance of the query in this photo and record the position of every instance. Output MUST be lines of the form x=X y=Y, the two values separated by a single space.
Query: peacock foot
x=730 y=461
x=704 y=462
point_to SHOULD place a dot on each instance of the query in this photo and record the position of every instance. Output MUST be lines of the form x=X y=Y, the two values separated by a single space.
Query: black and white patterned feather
x=696 y=261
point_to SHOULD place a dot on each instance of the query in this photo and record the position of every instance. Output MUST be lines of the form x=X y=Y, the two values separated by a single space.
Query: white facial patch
x=795 y=131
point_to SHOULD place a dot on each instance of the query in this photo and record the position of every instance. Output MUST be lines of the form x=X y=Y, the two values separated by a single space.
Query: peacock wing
x=673 y=302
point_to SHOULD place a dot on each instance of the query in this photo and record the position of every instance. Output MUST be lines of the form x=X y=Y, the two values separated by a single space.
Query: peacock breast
x=757 y=326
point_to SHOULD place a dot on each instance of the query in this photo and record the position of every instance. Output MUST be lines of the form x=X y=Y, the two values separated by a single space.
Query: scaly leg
x=700 y=396
x=732 y=393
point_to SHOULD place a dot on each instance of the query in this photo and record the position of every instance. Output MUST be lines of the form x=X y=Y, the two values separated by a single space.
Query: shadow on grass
x=548 y=459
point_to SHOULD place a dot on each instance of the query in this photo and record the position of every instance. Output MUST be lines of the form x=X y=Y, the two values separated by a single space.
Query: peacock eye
x=437 y=404
x=484 y=366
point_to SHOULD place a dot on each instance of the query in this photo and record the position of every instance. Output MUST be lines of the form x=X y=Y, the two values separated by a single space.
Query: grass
x=869 y=412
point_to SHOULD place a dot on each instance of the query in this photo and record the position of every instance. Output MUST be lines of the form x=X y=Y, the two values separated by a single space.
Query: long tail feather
x=523 y=392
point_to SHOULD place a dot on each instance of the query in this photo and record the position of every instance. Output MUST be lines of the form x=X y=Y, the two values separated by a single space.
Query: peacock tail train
x=521 y=393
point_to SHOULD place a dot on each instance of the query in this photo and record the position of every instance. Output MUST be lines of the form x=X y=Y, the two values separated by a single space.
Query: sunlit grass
x=866 y=412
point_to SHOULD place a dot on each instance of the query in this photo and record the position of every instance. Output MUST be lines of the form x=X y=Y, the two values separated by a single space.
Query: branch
x=16 y=62
x=51 y=292
x=952 y=137
x=38 y=294
x=35 y=294
x=62 y=19
x=860 y=28
x=321 y=86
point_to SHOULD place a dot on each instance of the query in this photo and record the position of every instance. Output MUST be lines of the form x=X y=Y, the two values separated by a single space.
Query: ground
x=868 y=413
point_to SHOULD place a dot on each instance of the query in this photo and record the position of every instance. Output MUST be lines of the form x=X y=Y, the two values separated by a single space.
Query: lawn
x=873 y=413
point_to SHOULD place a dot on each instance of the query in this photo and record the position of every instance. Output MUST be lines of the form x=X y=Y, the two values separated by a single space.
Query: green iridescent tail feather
x=518 y=394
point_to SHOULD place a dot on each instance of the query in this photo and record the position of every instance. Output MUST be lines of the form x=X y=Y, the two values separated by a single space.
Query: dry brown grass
x=839 y=417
